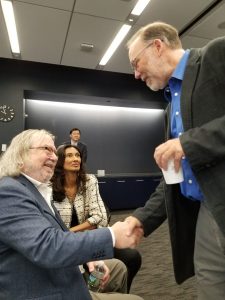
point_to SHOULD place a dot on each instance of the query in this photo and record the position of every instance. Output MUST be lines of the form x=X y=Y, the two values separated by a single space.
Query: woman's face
x=72 y=160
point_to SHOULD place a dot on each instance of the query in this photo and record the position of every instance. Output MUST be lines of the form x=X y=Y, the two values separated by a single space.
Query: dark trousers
x=132 y=259
x=209 y=257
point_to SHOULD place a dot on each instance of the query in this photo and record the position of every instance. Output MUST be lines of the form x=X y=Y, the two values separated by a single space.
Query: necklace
x=70 y=193
x=70 y=197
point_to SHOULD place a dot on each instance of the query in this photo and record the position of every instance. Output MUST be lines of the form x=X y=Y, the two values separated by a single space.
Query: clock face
x=6 y=113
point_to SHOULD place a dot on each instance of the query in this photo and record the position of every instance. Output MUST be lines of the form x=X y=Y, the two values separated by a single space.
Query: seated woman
x=77 y=198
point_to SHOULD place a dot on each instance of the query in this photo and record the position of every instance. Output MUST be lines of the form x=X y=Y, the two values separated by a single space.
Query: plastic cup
x=170 y=175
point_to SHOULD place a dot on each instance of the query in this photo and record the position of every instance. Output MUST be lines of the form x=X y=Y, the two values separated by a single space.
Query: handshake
x=127 y=233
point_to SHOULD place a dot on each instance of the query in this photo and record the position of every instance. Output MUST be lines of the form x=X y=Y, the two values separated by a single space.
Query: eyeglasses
x=48 y=149
x=135 y=60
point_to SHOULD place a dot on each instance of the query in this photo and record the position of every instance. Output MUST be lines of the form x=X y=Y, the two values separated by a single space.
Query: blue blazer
x=39 y=257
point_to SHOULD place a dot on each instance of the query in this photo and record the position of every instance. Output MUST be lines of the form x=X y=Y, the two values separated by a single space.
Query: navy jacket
x=39 y=257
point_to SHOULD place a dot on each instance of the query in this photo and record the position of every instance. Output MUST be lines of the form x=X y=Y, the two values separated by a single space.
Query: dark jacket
x=203 y=142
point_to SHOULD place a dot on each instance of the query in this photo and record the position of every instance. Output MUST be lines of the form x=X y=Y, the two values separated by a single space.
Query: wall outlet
x=4 y=146
x=100 y=172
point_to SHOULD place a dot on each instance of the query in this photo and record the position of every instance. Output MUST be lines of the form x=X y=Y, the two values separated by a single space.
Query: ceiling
x=52 y=31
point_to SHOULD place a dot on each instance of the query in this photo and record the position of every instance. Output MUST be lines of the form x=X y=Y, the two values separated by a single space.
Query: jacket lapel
x=188 y=85
x=58 y=218
x=41 y=201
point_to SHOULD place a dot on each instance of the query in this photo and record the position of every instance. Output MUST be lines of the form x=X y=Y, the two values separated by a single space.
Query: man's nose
x=137 y=74
x=54 y=156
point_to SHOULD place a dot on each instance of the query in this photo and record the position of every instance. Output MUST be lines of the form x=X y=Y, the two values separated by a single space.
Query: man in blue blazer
x=39 y=257
x=194 y=82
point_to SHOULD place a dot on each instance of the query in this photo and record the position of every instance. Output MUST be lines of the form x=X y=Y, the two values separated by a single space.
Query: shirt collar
x=178 y=73
x=43 y=188
x=74 y=143
x=34 y=181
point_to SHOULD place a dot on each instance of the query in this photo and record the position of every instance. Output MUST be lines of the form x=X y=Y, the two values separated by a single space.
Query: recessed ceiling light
x=7 y=8
x=139 y=7
x=115 y=43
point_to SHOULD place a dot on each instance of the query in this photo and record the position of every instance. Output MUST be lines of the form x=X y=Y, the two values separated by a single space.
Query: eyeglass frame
x=49 y=149
x=135 y=60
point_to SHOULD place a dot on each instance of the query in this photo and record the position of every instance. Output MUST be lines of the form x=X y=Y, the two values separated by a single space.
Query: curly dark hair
x=58 y=179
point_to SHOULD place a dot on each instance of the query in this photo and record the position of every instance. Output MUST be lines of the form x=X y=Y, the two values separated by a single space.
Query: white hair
x=12 y=160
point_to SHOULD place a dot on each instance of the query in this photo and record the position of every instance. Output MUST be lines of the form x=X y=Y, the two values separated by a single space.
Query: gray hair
x=12 y=160
x=158 y=30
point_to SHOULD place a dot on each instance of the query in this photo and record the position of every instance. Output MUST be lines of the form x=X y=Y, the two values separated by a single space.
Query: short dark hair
x=75 y=129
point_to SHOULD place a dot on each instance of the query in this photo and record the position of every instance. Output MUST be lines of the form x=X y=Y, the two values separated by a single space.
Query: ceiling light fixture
x=86 y=47
x=8 y=13
x=139 y=7
x=115 y=44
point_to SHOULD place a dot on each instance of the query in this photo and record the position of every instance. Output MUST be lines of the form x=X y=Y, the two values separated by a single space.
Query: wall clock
x=6 y=113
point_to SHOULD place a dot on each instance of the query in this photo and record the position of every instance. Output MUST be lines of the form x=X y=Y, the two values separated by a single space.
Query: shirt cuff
x=113 y=236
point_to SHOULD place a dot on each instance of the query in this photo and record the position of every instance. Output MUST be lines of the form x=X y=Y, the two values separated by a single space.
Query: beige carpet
x=155 y=280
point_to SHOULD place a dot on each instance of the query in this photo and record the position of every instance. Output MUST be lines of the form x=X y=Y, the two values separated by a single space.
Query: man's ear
x=158 y=46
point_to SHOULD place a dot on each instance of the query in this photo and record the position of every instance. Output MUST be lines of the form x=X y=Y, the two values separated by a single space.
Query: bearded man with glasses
x=194 y=82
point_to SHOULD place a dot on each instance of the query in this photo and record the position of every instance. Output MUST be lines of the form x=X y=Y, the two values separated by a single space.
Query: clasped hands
x=128 y=233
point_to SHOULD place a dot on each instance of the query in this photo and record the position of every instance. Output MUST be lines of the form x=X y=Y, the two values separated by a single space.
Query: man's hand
x=171 y=149
x=127 y=235
x=105 y=279
x=134 y=224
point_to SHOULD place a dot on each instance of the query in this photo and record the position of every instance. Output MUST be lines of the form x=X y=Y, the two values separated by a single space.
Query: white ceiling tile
x=96 y=31
x=119 y=63
x=112 y=9
x=190 y=41
x=60 y=4
x=41 y=32
x=208 y=27
x=175 y=12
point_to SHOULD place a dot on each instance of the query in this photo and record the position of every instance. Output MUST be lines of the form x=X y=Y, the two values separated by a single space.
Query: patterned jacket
x=88 y=206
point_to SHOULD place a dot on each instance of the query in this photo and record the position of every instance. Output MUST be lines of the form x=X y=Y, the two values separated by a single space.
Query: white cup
x=170 y=175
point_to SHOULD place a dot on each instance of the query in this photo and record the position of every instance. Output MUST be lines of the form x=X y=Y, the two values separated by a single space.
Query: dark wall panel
x=18 y=77
x=120 y=140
